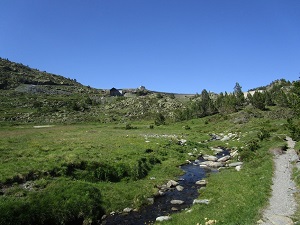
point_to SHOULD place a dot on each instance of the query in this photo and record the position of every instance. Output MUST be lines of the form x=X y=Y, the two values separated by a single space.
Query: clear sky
x=181 y=46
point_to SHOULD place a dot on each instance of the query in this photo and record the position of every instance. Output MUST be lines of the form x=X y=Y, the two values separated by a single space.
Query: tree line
x=280 y=93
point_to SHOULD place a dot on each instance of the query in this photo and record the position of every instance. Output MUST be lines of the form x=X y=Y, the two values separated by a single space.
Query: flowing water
x=162 y=205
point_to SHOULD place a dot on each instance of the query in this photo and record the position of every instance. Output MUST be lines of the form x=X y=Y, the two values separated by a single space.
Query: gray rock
x=179 y=188
x=235 y=153
x=238 y=168
x=177 y=202
x=163 y=218
x=224 y=158
x=172 y=183
x=210 y=158
x=217 y=150
x=161 y=193
x=201 y=182
x=225 y=138
x=150 y=200
x=235 y=164
x=127 y=210
x=201 y=201
x=215 y=164
x=182 y=142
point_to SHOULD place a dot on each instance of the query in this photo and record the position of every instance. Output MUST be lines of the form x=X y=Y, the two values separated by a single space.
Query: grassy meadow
x=65 y=173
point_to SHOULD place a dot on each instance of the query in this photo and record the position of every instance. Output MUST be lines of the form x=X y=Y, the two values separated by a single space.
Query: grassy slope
x=237 y=197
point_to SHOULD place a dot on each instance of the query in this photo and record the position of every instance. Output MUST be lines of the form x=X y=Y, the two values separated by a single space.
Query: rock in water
x=210 y=158
x=127 y=210
x=224 y=159
x=201 y=182
x=179 y=188
x=177 y=202
x=172 y=183
x=163 y=218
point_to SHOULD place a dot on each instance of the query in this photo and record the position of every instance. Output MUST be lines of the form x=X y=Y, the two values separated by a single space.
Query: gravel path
x=282 y=203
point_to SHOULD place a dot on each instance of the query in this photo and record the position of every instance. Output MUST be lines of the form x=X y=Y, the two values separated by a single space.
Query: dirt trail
x=282 y=203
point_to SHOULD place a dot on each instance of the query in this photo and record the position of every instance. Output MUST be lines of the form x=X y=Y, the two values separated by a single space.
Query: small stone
x=179 y=188
x=238 y=168
x=177 y=202
x=235 y=164
x=172 y=183
x=163 y=218
x=224 y=158
x=150 y=201
x=210 y=158
x=201 y=182
x=127 y=210
x=201 y=201
x=161 y=193
x=174 y=209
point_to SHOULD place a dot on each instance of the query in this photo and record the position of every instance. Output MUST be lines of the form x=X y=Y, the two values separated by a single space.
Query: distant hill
x=32 y=96
x=21 y=78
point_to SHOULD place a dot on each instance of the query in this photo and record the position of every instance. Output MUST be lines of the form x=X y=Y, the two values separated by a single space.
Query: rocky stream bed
x=174 y=196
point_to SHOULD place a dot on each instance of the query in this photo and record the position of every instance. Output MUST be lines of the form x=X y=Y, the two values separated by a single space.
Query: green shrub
x=187 y=127
x=159 y=119
x=263 y=134
x=62 y=202
x=253 y=145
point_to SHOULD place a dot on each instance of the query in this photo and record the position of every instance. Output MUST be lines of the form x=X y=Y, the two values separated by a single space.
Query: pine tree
x=258 y=100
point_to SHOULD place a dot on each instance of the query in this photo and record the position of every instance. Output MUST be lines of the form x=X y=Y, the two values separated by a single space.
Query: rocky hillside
x=21 y=78
x=31 y=96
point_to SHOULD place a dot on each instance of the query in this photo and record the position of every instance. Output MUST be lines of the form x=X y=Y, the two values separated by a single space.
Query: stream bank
x=175 y=196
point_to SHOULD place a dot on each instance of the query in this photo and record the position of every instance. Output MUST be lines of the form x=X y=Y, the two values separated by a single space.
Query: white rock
x=238 y=168
x=177 y=202
x=179 y=188
x=235 y=153
x=224 y=158
x=217 y=150
x=172 y=183
x=210 y=158
x=215 y=164
x=235 y=164
x=201 y=182
x=163 y=218
x=127 y=210
x=201 y=201
x=225 y=138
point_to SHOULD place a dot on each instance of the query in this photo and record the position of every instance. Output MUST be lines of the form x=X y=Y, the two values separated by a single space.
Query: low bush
x=62 y=202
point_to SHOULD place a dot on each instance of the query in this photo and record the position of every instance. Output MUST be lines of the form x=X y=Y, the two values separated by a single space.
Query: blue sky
x=181 y=46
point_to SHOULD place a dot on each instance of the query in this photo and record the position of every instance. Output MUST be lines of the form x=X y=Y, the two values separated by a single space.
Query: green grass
x=118 y=163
